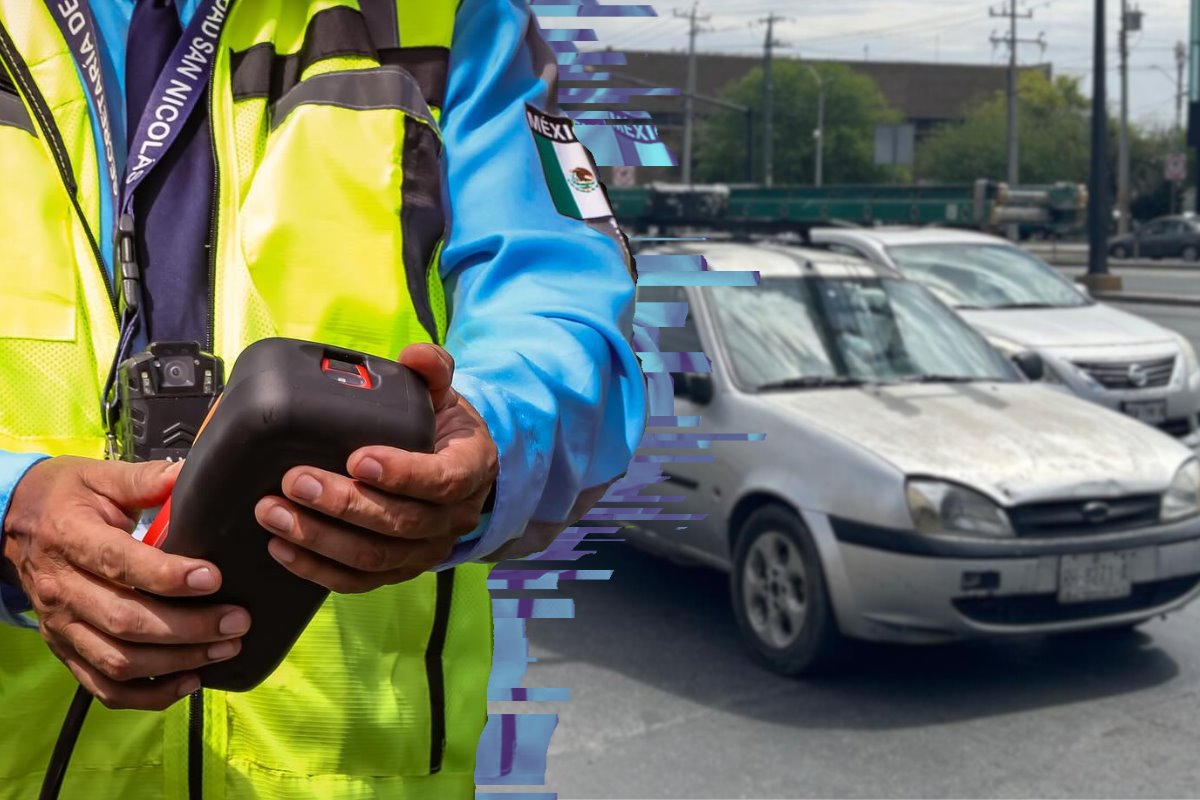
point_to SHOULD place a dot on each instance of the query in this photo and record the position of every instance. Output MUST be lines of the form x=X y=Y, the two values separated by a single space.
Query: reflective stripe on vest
x=314 y=239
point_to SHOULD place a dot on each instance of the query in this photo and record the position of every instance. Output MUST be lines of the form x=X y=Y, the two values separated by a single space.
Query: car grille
x=1085 y=517
x=1032 y=609
x=1121 y=374
x=1178 y=427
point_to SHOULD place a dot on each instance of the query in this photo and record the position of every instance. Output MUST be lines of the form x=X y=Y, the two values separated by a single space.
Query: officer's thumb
x=136 y=486
x=436 y=366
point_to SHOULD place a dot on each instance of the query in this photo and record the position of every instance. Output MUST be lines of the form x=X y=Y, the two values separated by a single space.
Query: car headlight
x=940 y=508
x=1190 y=363
x=1182 y=498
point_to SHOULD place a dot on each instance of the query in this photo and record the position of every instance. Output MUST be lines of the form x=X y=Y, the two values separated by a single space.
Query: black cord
x=63 y=748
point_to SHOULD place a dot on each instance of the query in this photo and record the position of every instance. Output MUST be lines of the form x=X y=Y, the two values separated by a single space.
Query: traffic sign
x=1176 y=170
x=624 y=177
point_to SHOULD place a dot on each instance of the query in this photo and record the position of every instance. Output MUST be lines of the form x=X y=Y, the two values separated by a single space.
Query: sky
x=945 y=31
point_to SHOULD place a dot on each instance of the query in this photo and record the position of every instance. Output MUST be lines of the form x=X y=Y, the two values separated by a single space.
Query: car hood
x=1016 y=442
x=1086 y=326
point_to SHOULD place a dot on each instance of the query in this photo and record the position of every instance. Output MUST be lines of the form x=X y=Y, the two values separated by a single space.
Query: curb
x=1186 y=300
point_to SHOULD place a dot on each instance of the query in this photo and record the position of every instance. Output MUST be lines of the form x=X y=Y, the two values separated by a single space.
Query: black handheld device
x=287 y=403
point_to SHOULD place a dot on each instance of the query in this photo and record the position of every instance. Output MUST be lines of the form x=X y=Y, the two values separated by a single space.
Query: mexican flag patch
x=570 y=172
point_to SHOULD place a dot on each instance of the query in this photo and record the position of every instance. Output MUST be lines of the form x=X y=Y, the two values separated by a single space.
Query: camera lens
x=178 y=372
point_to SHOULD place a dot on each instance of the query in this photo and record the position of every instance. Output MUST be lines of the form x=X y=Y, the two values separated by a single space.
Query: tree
x=853 y=107
x=1053 y=128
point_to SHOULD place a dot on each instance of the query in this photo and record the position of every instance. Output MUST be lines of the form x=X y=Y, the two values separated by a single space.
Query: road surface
x=666 y=704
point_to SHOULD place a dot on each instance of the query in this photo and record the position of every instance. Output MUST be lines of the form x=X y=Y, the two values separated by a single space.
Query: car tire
x=779 y=594
x=1191 y=253
x=1119 y=251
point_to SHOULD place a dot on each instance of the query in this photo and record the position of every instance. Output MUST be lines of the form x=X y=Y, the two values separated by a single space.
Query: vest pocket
x=347 y=193
x=37 y=272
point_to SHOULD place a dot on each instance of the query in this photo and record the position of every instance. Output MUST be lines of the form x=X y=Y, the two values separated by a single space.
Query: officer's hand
x=404 y=512
x=67 y=537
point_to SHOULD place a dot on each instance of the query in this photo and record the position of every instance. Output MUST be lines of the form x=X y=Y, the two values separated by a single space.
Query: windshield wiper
x=935 y=378
x=1009 y=306
x=811 y=382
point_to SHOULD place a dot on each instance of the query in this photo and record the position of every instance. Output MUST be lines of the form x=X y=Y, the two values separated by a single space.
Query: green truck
x=1055 y=211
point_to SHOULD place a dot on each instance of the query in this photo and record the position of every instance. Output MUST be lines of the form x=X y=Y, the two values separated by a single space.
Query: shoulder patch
x=570 y=172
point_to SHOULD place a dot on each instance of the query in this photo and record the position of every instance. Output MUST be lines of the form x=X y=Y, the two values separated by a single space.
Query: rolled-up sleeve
x=13 y=467
x=541 y=301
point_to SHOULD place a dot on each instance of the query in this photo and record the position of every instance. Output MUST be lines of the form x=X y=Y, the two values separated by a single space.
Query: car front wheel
x=780 y=598
x=1191 y=253
x=1119 y=251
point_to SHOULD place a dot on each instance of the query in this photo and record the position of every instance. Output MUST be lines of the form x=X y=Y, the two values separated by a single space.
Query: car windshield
x=975 y=276
x=810 y=333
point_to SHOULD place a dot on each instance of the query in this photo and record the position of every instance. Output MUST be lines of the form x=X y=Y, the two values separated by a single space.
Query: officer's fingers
x=114 y=555
x=436 y=366
x=362 y=506
x=123 y=661
x=132 y=617
x=333 y=576
x=465 y=468
x=356 y=547
x=143 y=695
x=132 y=486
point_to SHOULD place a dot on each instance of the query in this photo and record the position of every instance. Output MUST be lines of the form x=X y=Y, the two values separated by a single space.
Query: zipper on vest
x=24 y=80
x=435 y=673
x=210 y=330
x=195 y=745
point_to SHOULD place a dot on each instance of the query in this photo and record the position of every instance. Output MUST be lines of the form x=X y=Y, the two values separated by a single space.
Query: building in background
x=926 y=95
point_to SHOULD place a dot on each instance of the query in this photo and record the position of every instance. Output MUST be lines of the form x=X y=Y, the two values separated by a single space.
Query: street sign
x=1176 y=167
x=624 y=177
x=894 y=144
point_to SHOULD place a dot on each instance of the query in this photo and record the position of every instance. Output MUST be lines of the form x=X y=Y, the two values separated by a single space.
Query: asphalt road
x=665 y=704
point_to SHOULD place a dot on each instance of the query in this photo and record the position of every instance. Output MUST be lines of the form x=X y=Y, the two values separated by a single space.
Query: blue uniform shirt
x=541 y=303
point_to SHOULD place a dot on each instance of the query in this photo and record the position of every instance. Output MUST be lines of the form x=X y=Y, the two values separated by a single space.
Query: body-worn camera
x=165 y=394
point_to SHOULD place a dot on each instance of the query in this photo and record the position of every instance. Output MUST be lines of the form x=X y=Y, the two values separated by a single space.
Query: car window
x=868 y=330
x=1155 y=229
x=685 y=339
x=986 y=276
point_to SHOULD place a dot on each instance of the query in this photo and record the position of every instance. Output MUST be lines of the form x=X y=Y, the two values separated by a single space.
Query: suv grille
x=1130 y=374
x=1085 y=517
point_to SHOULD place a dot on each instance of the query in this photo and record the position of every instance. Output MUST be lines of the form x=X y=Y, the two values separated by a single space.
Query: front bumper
x=903 y=586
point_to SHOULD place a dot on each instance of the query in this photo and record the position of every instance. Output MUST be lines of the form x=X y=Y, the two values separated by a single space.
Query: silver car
x=913 y=486
x=1020 y=303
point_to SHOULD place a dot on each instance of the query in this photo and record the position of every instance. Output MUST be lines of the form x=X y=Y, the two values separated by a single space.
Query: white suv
x=1020 y=303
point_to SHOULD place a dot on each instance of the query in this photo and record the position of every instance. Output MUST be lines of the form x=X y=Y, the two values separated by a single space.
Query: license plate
x=1095 y=576
x=1151 y=412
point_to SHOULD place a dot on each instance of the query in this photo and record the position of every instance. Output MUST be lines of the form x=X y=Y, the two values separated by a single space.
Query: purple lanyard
x=173 y=99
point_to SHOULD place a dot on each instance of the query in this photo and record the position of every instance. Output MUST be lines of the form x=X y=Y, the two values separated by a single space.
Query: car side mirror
x=1031 y=365
x=695 y=386
x=1083 y=289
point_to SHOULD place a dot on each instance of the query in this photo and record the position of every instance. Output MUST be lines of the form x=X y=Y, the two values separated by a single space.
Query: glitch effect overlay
x=514 y=748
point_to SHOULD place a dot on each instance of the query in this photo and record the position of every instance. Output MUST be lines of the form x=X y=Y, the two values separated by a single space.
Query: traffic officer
x=373 y=174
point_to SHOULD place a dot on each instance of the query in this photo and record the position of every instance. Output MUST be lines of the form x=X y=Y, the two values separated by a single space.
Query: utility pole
x=769 y=45
x=1131 y=21
x=1181 y=59
x=1009 y=11
x=819 y=133
x=1099 y=205
x=689 y=98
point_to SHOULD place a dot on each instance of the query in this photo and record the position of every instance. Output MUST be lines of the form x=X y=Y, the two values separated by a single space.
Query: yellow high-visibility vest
x=324 y=130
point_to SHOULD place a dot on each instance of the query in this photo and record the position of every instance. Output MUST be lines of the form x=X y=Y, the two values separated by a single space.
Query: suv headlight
x=1191 y=364
x=1182 y=498
x=940 y=508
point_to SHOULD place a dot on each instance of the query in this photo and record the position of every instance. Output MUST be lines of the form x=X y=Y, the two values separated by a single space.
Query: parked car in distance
x=1020 y=303
x=1164 y=237
x=912 y=486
